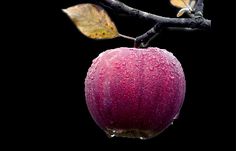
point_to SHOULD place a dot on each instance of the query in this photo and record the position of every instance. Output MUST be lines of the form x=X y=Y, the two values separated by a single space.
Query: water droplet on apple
x=142 y=138
x=112 y=135
x=176 y=116
x=144 y=52
x=162 y=61
x=117 y=66
x=151 y=68
x=132 y=55
x=91 y=77
x=126 y=74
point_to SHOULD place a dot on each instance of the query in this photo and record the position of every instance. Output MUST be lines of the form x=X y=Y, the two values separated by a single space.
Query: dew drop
x=102 y=70
x=132 y=55
x=117 y=66
x=91 y=77
x=112 y=135
x=142 y=138
x=144 y=52
x=162 y=67
x=154 y=77
x=94 y=60
x=126 y=75
x=176 y=116
x=151 y=68
x=162 y=61
x=101 y=73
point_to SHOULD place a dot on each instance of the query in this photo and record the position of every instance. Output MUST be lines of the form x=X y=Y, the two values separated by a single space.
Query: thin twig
x=199 y=8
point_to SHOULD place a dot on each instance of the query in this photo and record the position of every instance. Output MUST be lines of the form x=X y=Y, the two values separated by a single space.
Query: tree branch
x=199 y=8
x=144 y=39
x=195 y=22
x=171 y=22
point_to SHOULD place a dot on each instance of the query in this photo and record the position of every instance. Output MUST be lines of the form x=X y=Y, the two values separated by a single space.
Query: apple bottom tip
x=131 y=133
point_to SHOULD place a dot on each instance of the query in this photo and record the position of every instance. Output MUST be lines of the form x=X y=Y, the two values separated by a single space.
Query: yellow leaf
x=92 y=21
x=180 y=3
x=192 y=3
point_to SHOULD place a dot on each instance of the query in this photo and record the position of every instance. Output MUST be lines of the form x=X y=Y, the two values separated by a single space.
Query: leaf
x=182 y=11
x=180 y=3
x=92 y=21
x=192 y=3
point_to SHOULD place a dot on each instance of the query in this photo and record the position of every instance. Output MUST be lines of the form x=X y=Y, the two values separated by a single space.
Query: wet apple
x=135 y=93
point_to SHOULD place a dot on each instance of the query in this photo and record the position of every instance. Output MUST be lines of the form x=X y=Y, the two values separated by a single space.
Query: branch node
x=144 y=39
x=198 y=14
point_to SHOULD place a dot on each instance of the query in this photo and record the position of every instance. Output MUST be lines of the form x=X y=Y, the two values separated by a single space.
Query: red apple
x=135 y=93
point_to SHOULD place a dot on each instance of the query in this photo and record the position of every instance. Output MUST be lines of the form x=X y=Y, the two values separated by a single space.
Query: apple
x=134 y=93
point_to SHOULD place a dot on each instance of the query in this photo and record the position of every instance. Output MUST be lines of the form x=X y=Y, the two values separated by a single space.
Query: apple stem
x=144 y=39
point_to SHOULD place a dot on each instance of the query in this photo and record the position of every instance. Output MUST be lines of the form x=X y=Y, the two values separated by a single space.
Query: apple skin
x=135 y=93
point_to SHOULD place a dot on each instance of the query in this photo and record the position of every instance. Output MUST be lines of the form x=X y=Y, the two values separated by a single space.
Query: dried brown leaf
x=180 y=3
x=93 y=21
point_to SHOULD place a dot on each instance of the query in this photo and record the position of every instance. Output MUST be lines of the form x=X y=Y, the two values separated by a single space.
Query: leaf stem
x=127 y=37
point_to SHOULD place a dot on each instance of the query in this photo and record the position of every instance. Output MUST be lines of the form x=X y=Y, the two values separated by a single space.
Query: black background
x=54 y=58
